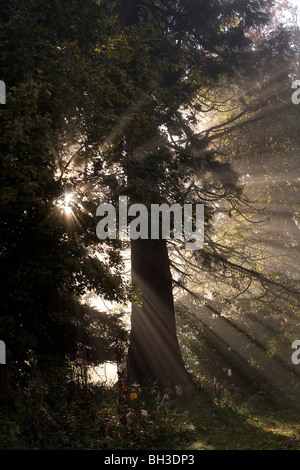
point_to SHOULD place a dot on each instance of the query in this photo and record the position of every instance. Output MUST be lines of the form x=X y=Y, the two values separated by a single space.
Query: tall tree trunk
x=154 y=353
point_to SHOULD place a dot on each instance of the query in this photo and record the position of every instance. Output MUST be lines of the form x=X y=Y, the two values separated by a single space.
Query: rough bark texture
x=154 y=353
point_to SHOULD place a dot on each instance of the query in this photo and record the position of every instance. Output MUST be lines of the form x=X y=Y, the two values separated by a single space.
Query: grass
x=256 y=424
x=96 y=417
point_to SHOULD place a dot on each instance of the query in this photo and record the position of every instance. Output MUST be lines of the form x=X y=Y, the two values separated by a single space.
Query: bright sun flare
x=65 y=203
x=68 y=203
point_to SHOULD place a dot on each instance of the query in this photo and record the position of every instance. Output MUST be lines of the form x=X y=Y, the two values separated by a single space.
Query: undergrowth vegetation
x=58 y=414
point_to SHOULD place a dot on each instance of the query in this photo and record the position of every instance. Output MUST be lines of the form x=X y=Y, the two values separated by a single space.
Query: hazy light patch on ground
x=104 y=374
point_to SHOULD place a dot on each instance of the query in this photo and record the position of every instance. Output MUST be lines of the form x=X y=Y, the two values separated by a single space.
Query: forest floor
x=101 y=418
x=256 y=424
